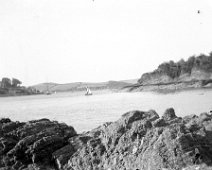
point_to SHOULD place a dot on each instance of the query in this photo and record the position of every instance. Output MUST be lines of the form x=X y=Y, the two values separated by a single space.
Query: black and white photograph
x=105 y=84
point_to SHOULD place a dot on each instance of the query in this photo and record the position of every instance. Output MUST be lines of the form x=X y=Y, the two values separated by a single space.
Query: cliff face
x=137 y=141
x=194 y=69
x=196 y=72
x=160 y=77
x=154 y=78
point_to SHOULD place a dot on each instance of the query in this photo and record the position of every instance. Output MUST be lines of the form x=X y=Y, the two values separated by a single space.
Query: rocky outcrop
x=142 y=140
x=33 y=142
x=160 y=78
x=196 y=72
x=137 y=141
x=154 y=78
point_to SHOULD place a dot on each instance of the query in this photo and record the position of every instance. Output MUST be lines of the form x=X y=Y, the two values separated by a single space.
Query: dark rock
x=61 y=156
x=43 y=148
x=17 y=165
x=138 y=140
x=5 y=120
x=22 y=144
x=188 y=118
x=10 y=126
x=44 y=120
x=6 y=144
x=159 y=123
x=204 y=117
x=169 y=114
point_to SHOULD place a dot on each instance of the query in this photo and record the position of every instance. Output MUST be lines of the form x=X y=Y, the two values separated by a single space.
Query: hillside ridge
x=80 y=86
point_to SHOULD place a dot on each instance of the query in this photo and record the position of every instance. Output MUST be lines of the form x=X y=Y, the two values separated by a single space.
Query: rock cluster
x=23 y=145
x=137 y=141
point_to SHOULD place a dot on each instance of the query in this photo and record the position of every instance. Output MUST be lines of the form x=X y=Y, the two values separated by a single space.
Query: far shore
x=169 y=87
x=163 y=89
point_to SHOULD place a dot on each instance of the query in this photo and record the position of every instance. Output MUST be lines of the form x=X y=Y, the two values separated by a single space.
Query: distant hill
x=130 y=81
x=81 y=86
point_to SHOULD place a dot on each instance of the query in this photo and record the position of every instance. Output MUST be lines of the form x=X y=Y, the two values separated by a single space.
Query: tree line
x=10 y=83
x=12 y=87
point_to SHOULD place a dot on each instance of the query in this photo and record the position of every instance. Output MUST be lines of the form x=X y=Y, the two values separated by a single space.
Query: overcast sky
x=84 y=40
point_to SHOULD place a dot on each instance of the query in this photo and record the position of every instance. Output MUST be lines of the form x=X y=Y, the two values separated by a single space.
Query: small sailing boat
x=48 y=92
x=88 y=92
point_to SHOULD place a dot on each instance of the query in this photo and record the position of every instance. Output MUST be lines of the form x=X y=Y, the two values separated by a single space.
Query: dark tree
x=5 y=82
x=16 y=82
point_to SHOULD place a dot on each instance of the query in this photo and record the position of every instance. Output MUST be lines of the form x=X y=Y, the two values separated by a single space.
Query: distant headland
x=196 y=72
x=12 y=87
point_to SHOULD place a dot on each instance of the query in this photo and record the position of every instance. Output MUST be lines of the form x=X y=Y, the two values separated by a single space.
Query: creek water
x=87 y=112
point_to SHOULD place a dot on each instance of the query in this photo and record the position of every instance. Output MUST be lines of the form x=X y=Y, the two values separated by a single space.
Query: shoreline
x=158 y=88
x=138 y=140
x=155 y=89
x=169 y=87
x=75 y=93
x=18 y=95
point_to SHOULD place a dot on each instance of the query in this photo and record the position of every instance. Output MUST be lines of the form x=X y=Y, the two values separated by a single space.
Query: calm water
x=87 y=112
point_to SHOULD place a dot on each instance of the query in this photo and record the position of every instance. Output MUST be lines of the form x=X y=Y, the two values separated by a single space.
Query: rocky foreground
x=137 y=141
